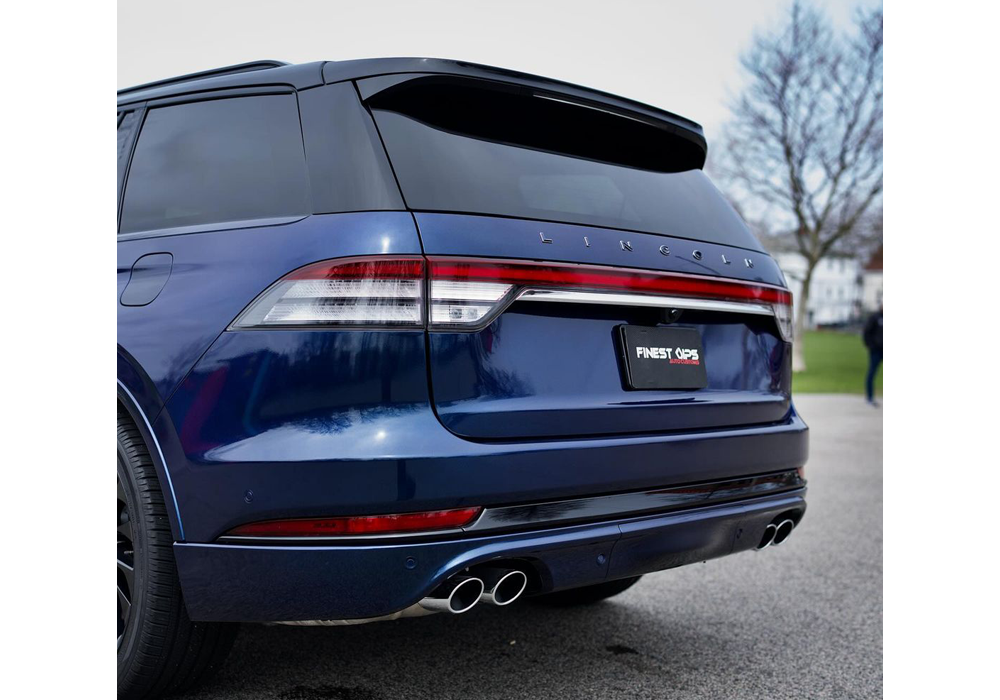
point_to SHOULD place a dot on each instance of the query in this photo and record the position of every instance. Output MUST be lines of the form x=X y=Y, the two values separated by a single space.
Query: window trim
x=214 y=227
x=140 y=118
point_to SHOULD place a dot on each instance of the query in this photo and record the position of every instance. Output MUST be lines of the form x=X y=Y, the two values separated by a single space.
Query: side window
x=234 y=159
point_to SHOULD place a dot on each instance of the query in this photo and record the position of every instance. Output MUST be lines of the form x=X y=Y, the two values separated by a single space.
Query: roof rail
x=215 y=72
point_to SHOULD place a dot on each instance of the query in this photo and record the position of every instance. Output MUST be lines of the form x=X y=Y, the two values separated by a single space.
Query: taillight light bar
x=468 y=293
x=399 y=523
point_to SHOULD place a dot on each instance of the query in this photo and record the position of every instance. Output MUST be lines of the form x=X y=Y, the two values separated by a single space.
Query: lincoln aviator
x=399 y=337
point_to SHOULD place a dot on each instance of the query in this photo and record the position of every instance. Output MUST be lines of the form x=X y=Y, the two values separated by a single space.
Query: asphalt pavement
x=803 y=620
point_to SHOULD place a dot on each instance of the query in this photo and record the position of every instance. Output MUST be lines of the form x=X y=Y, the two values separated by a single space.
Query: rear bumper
x=397 y=461
x=272 y=583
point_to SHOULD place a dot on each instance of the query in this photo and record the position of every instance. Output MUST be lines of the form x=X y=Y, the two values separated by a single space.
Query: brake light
x=470 y=292
x=467 y=294
x=359 y=524
x=349 y=292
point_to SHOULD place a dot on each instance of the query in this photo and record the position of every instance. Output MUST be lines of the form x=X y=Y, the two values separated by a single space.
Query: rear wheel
x=160 y=650
x=587 y=594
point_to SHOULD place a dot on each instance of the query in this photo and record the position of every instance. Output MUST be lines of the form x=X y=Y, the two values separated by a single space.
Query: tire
x=160 y=650
x=587 y=595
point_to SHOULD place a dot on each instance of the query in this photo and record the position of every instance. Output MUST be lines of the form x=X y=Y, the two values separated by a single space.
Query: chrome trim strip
x=631 y=504
x=578 y=510
x=216 y=227
x=620 y=299
x=156 y=444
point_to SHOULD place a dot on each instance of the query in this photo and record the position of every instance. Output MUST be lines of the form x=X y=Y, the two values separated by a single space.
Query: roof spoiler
x=382 y=73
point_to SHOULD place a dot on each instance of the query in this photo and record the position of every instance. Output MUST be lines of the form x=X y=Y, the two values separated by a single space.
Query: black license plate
x=663 y=358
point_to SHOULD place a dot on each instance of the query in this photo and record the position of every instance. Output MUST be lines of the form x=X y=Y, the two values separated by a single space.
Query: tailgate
x=551 y=223
x=546 y=368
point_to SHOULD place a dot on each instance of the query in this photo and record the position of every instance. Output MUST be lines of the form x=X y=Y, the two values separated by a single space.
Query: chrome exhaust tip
x=504 y=586
x=768 y=539
x=782 y=532
x=457 y=595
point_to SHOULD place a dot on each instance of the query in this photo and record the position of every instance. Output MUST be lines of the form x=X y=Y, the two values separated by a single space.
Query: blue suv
x=402 y=336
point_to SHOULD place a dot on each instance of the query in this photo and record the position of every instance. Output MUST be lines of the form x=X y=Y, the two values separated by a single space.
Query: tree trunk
x=801 y=314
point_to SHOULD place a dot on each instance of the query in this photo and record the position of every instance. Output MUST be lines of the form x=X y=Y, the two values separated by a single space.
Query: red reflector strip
x=359 y=524
x=371 y=268
x=541 y=275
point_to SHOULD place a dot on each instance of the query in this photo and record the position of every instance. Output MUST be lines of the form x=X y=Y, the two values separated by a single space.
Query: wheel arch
x=140 y=400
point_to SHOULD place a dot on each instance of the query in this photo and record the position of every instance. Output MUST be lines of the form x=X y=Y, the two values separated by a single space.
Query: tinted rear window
x=236 y=159
x=462 y=146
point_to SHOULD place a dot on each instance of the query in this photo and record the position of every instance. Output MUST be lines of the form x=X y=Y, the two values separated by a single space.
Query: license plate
x=663 y=358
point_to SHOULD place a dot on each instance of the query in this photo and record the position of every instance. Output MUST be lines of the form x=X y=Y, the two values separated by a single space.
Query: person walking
x=873 y=341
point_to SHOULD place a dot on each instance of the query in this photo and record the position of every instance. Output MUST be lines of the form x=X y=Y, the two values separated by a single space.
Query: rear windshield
x=474 y=146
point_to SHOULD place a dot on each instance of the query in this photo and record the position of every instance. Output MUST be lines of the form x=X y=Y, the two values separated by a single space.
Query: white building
x=871 y=284
x=835 y=294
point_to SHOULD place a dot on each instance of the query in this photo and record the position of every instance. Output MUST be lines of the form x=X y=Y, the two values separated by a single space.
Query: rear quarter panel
x=214 y=276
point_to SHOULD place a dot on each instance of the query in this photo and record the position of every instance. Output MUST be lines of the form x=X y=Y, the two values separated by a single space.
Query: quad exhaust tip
x=484 y=584
x=457 y=595
x=768 y=537
x=782 y=532
x=503 y=586
x=775 y=534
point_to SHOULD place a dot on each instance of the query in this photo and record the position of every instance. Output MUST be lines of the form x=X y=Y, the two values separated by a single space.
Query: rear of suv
x=401 y=336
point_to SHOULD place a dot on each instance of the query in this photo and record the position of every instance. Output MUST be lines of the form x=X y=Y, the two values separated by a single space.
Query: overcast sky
x=680 y=56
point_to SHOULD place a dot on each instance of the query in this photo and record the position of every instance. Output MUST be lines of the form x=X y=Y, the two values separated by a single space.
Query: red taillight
x=466 y=294
x=469 y=292
x=359 y=292
x=359 y=524
x=597 y=278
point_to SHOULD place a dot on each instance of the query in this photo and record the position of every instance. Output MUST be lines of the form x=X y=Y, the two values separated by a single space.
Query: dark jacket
x=873 y=332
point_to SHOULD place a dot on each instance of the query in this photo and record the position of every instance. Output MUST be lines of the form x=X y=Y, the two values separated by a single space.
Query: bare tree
x=804 y=148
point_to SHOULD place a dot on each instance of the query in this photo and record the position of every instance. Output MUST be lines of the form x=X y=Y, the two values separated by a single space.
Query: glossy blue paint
x=348 y=422
x=214 y=275
x=553 y=370
x=341 y=422
x=549 y=371
x=496 y=237
x=230 y=582
x=217 y=273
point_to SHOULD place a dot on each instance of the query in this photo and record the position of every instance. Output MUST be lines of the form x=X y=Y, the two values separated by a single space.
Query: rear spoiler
x=380 y=74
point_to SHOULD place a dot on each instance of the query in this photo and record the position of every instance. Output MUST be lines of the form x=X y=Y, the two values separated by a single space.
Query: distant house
x=871 y=283
x=835 y=294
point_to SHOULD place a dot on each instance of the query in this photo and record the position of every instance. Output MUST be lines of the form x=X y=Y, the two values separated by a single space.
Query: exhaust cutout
x=456 y=595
